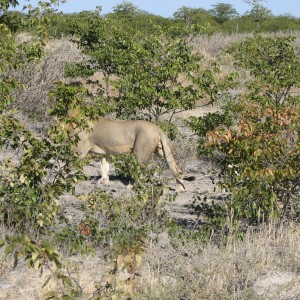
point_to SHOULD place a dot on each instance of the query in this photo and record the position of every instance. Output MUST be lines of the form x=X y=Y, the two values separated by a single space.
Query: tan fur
x=106 y=136
x=143 y=138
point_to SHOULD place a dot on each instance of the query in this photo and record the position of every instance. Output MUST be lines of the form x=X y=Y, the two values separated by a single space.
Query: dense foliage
x=256 y=138
x=153 y=76
x=222 y=17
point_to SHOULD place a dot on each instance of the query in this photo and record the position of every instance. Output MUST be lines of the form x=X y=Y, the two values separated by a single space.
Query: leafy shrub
x=152 y=75
x=30 y=187
x=257 y=139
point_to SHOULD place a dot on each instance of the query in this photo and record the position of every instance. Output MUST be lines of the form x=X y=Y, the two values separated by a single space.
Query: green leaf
x=35 y=255
x=48 y=247
x=50 y=295
x=66 y=280
x=46 y=281
x=37 y=264
x=9 y=249
x=2 y=243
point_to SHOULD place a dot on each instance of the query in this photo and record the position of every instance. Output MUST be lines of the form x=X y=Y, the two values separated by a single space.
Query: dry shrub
x=38 y=78
x=262 y=266
x=231 y=271
x=26 y=284
x=213 y=45
x=185 y=149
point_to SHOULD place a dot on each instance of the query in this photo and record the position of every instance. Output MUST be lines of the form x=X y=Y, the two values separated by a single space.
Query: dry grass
x=265 y=265
x=38 y=78
x=26 y=284
x=213 y=45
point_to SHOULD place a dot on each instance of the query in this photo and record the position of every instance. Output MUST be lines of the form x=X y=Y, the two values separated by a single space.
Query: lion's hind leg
x=144 y=149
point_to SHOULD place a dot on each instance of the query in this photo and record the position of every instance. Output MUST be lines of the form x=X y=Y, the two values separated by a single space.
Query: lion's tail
x=168 y=154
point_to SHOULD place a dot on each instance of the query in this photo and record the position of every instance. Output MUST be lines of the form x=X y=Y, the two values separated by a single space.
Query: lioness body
x=143 y=138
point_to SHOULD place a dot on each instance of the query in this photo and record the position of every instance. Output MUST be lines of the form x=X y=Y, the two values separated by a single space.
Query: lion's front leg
x=104 y=169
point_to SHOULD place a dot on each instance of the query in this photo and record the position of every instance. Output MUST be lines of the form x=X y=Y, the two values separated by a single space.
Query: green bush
x=146 y=67
x=256 y=139
x=30 y=187
x=153 y=76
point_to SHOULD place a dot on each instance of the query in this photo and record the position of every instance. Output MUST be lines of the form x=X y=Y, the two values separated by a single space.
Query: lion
x=115 y=137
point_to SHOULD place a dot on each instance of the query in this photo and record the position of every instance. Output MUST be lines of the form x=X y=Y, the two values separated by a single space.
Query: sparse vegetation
x=89 y=241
